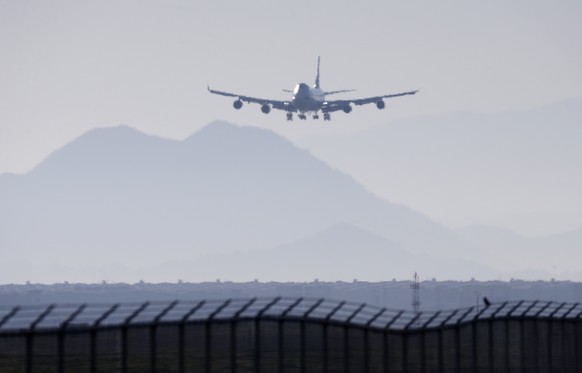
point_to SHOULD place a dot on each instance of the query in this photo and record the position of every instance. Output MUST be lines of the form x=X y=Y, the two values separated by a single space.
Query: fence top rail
x=18 y=319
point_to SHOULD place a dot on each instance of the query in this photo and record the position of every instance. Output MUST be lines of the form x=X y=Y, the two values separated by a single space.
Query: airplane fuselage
x=307 y=99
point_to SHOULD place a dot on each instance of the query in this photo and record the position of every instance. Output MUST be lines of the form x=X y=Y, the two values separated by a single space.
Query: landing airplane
x=309 y=100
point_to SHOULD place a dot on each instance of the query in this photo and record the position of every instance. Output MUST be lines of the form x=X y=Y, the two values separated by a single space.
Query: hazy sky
x=69 y=66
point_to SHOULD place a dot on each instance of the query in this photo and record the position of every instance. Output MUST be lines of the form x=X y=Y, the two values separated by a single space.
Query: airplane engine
x=237 y=104
x=380 y=104
x=347 y=109
x=266 y=109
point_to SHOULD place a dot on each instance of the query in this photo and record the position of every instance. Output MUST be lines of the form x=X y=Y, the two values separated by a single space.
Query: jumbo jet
x=308 y=100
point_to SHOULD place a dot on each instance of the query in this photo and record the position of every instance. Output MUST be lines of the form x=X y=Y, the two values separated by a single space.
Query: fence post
x=302 y=332
x=30 y=337
x=441 y=342
x=124 y=327
x=232 y=333
x=367 y=337
x=346 y=341
x=8 y=316
x=93 y=342
x=280 y=335
x=181 y=365
x=325 y=335
x=475 y=336
x=507 y=344
x=458 y=338
x=577 y=322
x=153 y=339
x=522 y=333
x=257 y=352
x=491 y=344
x=405 y=342
x=386 y=344
x=551 y=337
x=563 y=322
x=537 y=348
x=423 y=340
x=61 y=337
x=208 y=335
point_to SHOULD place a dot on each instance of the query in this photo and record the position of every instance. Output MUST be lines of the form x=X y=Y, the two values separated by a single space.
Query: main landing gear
x=326 y=116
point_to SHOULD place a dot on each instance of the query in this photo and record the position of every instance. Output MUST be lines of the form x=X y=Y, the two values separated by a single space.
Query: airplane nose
x=301 y=90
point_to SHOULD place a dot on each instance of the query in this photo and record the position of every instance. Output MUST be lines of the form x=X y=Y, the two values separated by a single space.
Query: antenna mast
x=415 y=293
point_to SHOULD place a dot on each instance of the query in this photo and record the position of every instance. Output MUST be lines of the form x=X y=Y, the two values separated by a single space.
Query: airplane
x=310 y=100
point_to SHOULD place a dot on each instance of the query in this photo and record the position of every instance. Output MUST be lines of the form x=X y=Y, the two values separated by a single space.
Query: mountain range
x=235 y=203
x=117 y=196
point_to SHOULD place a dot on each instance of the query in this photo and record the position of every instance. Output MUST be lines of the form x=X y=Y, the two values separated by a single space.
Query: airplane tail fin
x=317 y=76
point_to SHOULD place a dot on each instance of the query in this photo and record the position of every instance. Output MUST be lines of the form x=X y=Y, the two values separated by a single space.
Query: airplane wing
x=335 y=105
x=275 y=104
x=340 y=91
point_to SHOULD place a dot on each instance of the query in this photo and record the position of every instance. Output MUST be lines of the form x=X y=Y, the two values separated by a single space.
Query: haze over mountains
x=228 y=202
x=336 y=253
x=517 y=169
x=530 y=257
x=116 y=197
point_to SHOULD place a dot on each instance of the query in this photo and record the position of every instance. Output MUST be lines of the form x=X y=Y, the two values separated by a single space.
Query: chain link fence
x=289 y=335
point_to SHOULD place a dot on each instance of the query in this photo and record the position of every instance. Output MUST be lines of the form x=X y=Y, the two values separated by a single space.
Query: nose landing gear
x=289 y=116
x=315 y=116
x=326 y=116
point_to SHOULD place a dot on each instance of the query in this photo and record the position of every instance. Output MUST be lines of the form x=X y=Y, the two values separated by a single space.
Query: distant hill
x=119 y=196
x=342 y=252
x=434 y=295
x=462 y=166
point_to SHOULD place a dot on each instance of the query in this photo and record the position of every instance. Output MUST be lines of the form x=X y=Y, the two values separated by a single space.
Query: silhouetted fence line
x=289 y=335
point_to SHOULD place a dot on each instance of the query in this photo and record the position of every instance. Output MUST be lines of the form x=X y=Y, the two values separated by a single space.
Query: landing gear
x=303 y=116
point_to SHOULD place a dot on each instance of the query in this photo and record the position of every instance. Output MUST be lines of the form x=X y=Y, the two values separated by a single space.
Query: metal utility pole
x=415 y=293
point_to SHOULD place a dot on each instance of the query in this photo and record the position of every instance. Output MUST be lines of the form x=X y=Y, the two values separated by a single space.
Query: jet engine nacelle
x=380 y=104
x=266 y=109
x=347 y=109
x=237 y=104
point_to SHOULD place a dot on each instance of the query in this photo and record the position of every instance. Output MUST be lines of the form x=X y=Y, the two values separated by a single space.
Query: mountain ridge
x=142 y=199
